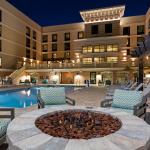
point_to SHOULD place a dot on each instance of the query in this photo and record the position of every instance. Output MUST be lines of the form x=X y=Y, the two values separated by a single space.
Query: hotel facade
x=97 y=49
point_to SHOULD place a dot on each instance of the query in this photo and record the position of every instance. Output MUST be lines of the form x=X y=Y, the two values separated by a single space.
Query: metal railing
x=77 y=65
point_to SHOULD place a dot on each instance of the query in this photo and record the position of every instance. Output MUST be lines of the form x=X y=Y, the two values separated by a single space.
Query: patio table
x=22 y=134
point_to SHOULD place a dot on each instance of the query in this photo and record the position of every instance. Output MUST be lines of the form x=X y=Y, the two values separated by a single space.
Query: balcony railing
x=77 y=65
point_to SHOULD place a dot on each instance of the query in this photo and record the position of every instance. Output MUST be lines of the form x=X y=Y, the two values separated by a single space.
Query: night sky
x=55 y=12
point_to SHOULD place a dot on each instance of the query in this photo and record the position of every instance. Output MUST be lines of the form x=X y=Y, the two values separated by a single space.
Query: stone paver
x=91 y=96
x=134 y=133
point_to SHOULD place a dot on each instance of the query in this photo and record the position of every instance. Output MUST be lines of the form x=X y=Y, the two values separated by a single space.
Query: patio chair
x=132 y=102
x=49 y=96
x=4 y=121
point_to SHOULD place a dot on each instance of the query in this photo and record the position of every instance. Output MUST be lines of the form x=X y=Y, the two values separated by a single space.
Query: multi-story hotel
x=97 y=49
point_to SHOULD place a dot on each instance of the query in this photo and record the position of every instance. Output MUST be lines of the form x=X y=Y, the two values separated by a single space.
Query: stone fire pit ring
x=22 y=133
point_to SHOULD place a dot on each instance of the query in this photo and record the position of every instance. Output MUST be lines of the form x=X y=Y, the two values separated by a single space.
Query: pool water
x=22 y=98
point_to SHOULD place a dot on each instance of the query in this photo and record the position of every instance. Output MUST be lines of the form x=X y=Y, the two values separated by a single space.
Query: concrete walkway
x=90 y=96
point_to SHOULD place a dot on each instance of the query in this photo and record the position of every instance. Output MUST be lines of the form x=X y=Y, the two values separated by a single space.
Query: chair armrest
x=70 y=101
x=106 y=103
x=12 y=113
x=40 y=101
x=140 y=108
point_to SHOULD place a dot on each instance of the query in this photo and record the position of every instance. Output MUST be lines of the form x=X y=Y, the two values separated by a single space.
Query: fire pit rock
x=123 y=132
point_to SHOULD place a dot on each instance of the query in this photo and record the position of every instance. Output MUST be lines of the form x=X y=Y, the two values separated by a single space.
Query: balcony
x=78 y=66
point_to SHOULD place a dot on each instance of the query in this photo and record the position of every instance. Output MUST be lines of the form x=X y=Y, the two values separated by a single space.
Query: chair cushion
x=3 y=126
x=53 y=95
x=126 y=99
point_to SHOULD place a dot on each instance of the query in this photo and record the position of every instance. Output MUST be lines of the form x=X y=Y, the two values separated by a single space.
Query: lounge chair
x=49 y=96
x=132 y=102
x=4 y=121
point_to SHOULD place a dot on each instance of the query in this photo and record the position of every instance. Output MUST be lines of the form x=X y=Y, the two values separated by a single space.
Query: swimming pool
x=23 y=98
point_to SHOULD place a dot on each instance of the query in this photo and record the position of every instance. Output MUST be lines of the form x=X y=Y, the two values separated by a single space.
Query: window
x=99 y=60
x=128 y=42
x=87 y=60
x=66 y=46
x=0 y=62
x=112 y=59
x=45 y=57
x=54 y=47
x=139 y=39
x=44 y=47
x=34 y=55
x=149 y=24
x=87 y=49
x=54 y=55
x=149 y=33
x=67 y=36
x=45 y=38
x=27 y=53
x=80 y=35
x=94 y=29
x=27 y=42
x=128 y=51
x=0 y=30
x=34 y=35
x=112 y=48
x=108 y=28
x=34 y=45
x=0 y=15
x=0 y=45
x=66 y=55
x=28 y=31
x=54 y=37
x=126 y=31
x=99 y=48
x=140 y=29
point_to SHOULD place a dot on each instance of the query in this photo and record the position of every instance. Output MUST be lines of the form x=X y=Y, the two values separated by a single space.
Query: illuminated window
x=80 y=35
x=99 y=48
x=87 y=60
x=87 y=49
x=112 y=48
x=99 y=60
x=112 y=59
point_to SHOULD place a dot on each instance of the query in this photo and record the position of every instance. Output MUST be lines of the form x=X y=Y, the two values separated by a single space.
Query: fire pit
x=78 y=124
x=78 y=128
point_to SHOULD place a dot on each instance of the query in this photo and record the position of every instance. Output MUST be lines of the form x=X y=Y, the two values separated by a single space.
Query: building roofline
x=115 y=6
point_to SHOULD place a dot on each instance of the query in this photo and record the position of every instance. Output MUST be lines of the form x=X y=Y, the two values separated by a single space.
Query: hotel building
x=97 y=49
